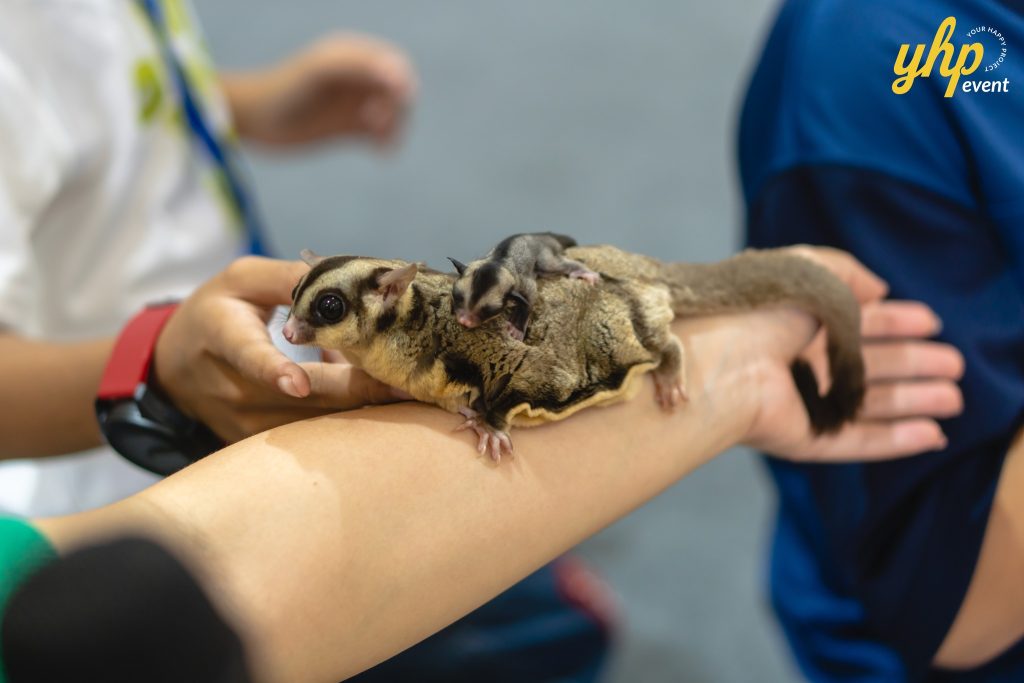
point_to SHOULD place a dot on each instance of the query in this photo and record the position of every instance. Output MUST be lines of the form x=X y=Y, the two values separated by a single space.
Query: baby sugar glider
x=586 y=345
x=506 y=278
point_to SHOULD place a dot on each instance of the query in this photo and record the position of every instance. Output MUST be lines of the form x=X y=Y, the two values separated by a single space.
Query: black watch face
x=147 y=449
x=155 y=440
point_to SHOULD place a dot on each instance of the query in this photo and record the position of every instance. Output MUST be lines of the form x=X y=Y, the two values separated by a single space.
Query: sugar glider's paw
x=669 y=389
x=514 y=331
x=490 y=440
x=586 y=275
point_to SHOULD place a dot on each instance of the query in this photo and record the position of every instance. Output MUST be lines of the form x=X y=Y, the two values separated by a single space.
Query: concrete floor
x=612 y=122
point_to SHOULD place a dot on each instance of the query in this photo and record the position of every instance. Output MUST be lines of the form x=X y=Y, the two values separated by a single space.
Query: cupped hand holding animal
x=216 y=362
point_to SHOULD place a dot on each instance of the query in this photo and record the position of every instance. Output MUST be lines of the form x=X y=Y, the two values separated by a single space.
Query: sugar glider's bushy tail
x=760 y=279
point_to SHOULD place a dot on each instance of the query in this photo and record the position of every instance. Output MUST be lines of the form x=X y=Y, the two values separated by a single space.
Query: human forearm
x=991 y=617
x=246 y=93
x=336 y=542
x=47 y=395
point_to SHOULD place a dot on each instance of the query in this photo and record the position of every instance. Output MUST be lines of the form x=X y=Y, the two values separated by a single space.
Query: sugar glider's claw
x=501 y=443
x=493 y=441
x=484 y=442
x=586 y=275
x=669 y=390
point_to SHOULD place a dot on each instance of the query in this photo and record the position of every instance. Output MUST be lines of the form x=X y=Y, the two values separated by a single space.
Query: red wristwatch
x=138 y=421
x=133 y=353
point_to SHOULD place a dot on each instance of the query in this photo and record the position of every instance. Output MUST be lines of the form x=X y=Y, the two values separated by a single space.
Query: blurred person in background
x=908 y=570
x=120 y=187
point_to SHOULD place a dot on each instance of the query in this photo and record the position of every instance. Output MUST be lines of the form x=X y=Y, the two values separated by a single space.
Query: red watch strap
x=133 y=352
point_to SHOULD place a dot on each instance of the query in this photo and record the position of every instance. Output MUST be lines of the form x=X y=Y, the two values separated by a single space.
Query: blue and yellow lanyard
x=219 y=153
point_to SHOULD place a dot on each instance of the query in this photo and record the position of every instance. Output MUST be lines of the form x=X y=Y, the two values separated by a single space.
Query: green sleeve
x=22 y=549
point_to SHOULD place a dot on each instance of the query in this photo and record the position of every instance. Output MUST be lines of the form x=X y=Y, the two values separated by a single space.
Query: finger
x=390 y=67
x=333 y=356
x=929 y=398
x=866 y=440
x=344 y=387
x=866 y=286
x=366 y=57
x=264 y=281
x=397 y=74
x=245 y=345
x=912 y=359
x=899 y=319
x=381 y=119
x=375 y=113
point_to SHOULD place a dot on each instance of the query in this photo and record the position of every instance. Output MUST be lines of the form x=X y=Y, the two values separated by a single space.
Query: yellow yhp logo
x=908 y=70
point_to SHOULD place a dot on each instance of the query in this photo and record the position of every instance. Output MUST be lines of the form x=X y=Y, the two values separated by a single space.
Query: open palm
x=911 y=381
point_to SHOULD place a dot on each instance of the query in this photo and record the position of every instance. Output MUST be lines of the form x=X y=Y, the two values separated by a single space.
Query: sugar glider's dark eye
x=330 y=307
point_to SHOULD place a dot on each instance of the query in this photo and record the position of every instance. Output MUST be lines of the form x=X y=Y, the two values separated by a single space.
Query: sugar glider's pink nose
x=289 y=330
x=467 y=319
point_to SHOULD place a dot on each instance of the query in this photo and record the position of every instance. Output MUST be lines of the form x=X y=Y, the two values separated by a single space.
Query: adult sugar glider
x=587 y=345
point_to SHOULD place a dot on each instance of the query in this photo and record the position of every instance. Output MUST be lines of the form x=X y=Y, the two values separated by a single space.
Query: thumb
x=262 y=362
x=344 y=387
x=263 y=281
x=245 y=345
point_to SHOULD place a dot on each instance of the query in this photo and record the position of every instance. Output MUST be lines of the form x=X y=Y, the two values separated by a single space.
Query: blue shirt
x=870 y=562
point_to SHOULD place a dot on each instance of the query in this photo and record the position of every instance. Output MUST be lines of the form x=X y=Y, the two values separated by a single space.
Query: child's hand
x=216 y=362
x=343 y=86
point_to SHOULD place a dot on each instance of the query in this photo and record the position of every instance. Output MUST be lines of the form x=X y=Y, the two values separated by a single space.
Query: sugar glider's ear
x=460 y=267
x=393 y=283
x=310 y=257
x=519 y=299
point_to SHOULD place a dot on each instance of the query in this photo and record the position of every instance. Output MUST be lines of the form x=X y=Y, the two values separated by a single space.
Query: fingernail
x=401 y=395
x=374 y=111
x=943 y=441
x=938 y=324
x=286 y=384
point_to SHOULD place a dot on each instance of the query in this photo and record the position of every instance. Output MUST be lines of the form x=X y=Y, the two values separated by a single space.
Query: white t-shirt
x=106 y=201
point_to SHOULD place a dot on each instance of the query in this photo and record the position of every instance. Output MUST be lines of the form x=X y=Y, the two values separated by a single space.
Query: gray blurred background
x=612 y=122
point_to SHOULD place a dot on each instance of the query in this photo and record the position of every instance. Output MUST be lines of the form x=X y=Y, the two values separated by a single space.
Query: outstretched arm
x=336 y=542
